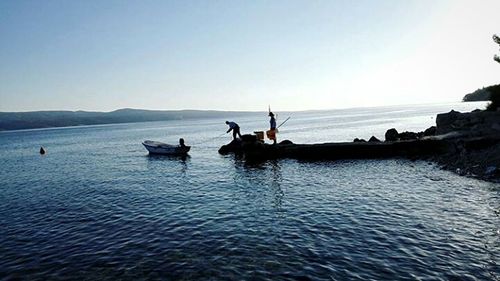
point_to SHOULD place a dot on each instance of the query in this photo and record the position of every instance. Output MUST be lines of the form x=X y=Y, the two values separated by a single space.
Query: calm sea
x=97 y=207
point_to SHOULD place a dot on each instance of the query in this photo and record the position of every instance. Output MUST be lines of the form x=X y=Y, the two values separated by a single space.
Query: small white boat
x=156 y=147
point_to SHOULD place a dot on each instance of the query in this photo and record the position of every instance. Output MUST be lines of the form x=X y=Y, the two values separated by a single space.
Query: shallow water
x=97 y=207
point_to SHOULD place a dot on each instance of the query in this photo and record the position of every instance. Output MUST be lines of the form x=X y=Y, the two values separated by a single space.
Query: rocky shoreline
x=473 y=140
x=476 y=143
x=465 y=143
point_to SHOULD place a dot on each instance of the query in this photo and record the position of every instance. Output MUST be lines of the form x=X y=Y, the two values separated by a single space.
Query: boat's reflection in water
x=182 y=159
x=172 y=157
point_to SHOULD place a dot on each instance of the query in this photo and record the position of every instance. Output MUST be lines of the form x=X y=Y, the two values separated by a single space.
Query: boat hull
x=155 y=147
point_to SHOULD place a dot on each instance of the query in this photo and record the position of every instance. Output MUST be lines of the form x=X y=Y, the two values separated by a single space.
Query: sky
x=243 y=55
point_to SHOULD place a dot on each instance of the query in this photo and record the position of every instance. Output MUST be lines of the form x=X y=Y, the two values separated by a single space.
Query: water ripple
x=90 y=211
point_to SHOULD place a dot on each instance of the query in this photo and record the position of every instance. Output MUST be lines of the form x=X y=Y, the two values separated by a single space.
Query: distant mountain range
x=48 y=119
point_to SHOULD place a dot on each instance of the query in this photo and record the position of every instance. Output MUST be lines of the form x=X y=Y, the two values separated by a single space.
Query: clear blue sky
x=243 y=55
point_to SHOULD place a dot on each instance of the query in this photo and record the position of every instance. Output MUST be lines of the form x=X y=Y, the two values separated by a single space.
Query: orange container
x=271 y=134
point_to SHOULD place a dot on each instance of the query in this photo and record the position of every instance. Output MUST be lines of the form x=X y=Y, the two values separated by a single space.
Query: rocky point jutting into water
x=467 y=143
x=475 y=139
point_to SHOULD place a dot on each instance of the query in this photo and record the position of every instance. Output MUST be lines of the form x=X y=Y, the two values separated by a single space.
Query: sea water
x=96 y=206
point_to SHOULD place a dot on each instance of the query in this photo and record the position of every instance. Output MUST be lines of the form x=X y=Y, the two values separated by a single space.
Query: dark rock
x=391 y=135
x=249 y=138
x=373 y=139
x=445 y=121
x=490 y=170
x=408 y=136
x=286 y=142
x=233 y=146
x=473 y=123
x=358 y=140
x=431 y=131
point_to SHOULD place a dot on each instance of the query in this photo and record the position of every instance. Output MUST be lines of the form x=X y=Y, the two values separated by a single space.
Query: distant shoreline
x=15 y=121
x=36 y=120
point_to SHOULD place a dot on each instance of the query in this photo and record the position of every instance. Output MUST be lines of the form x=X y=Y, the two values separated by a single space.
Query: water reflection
x=276 y=182
x=265 y=177
x=107 y=211
x=159 y=157
x=183 y=160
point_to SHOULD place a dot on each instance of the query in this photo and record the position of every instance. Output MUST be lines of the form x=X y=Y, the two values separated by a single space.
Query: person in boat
x=181 y=143
x=233 y=126
x=271 y=134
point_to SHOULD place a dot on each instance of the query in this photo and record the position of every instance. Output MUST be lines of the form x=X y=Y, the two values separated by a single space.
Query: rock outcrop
x=467 y=143
x=475 y=139
x=431 y=131
x=472 y=123
x=391 y=135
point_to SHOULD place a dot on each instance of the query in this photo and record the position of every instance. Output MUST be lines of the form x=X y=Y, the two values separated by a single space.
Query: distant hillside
x=48 y=119
x=483 y=94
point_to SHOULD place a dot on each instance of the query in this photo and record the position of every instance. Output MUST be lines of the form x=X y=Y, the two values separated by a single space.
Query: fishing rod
x=205 y=140
x=283 y=122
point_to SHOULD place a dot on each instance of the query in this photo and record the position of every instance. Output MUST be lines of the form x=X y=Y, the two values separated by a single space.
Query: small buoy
x=42 y=151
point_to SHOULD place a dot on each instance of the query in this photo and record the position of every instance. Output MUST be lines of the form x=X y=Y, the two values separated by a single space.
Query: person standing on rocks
x=233 y=126
x=271 y=134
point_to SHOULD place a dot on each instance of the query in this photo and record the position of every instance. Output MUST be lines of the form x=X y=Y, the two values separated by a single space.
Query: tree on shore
x=497 y=40
x=495 y=94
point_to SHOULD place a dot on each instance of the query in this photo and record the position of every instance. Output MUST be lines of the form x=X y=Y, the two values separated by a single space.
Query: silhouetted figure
x=181 y=142
x=236 y=129
x=42 y=151
x=271 y=134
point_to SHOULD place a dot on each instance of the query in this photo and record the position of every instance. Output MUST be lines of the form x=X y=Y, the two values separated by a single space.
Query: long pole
x=205 y=140
x=283 y=122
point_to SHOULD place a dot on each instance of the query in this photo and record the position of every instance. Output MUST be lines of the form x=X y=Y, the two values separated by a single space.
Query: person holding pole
x=271 y=133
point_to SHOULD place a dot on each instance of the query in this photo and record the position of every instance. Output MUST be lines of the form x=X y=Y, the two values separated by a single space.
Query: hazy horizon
x=256 y=111
x=243 y=56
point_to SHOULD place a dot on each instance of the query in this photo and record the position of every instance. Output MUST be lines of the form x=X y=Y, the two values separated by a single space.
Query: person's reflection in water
x=276 y=180
x=265 y=175
x=184 y=159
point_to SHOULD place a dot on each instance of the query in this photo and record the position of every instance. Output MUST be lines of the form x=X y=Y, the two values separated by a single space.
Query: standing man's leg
x=239 y=134
x=274 y=135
